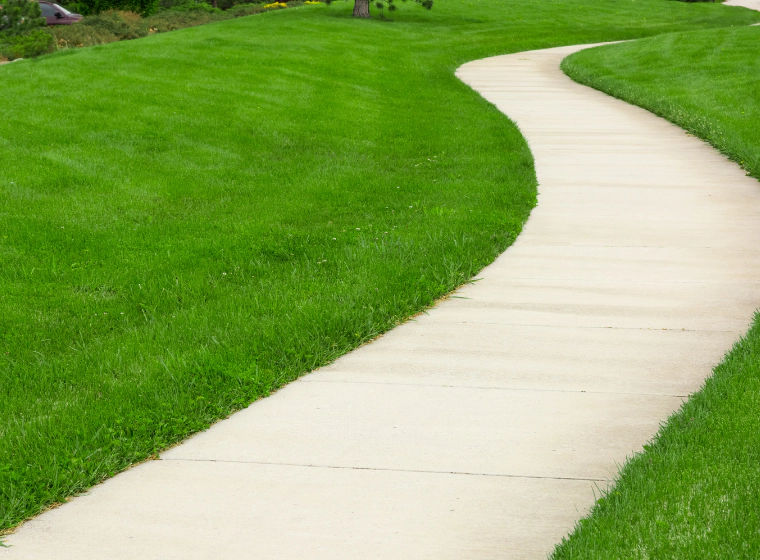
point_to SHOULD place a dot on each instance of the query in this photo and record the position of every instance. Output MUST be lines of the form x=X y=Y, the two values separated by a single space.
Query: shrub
x=79 y=35
x=228 y=4
x=26 y=45
x=21 y=30
x=123 y=25
x=19 y=16
x=93 y=7
x=106 y=27
x=112 y=25
x=245 y=10
x=195 y=7
x=179 y=18
x=166 y=4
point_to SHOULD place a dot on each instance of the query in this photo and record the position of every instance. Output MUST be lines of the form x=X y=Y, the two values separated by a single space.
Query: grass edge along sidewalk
x=159 y=271
x=693 y=491
x=706 y=82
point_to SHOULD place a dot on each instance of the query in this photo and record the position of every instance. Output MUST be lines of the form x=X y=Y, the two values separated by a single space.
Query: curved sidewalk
x=751 y=4
x=481 y=429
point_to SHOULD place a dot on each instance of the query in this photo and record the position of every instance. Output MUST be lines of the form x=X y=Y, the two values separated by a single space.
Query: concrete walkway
x=751 y=4
x=481 y=429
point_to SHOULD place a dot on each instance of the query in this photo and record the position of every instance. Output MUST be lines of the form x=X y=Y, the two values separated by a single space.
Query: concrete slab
x=482 y=428
x=183 y=510
x=671 y=203
x=630 y=361
x=598 y=304
x=644 y=231
x=451 y=429
x=681 y=265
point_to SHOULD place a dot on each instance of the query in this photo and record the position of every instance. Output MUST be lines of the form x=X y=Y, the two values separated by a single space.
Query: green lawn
x=190 y=220
x=694 y=491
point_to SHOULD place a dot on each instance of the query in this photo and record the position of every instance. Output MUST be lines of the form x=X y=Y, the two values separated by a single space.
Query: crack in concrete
x=438 y=322
x=489 y=388
x=382 y=469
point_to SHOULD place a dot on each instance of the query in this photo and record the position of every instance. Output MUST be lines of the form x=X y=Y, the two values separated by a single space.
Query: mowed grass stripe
x=190 y=220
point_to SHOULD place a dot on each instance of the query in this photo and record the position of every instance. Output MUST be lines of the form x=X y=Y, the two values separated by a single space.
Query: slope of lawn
x=190 y=220
x=694 y=491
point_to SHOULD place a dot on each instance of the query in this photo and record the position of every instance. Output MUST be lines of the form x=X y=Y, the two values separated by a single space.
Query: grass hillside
x=694 y=491
x=190 y=220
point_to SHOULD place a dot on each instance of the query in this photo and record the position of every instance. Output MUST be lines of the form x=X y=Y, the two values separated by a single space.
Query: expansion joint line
x=491 y=388
x=381 y=469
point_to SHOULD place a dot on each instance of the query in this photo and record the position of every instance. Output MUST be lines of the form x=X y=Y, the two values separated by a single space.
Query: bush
x=227 y=4
x=245 y=10
x=112 y=25
x=27 y=45
x=18 y=17
x=166 y=4
x=94 y=7
x=21 y=30
x=123 y=25
x=107 y=27
x=195 y=7
x=181 y=17
x=79 y=35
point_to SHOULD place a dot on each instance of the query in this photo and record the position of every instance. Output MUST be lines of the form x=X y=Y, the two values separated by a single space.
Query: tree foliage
x=19 y=16
x=91 y=7
x=391 y=6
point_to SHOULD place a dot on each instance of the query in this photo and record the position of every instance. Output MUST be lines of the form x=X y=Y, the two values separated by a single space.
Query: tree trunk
x=361 y=8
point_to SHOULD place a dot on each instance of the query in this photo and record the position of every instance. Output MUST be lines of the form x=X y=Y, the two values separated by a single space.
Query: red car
x=57 y=15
